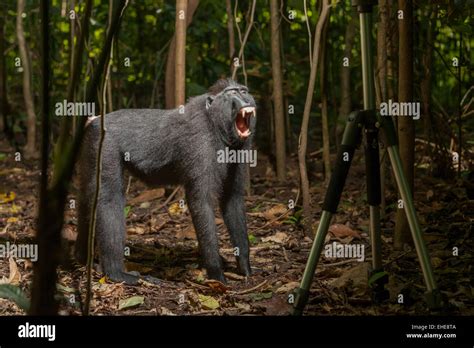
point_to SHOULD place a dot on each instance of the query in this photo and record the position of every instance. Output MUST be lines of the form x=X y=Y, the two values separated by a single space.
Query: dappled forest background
x=424 y=57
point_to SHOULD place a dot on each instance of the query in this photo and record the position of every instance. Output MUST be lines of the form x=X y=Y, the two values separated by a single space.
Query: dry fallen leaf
x=243 y=306
x=68 y=233
x=356 y=276
x=186 y=233
x=340 y=231
x=166 y=311
x=233 y=276
x=7 y=197
x=15 y=275
x=436 y=261
x=216 y=285
x=197 y=275
x=208 y=302
x=108 y=290
x=272 y=212
x=279 y=238
x=175 y=210
x=148 y=196
x=136 y=230
x=14 y=209
x=429 y=194
x=131 y=302
x=275 y=211
x=287 y=288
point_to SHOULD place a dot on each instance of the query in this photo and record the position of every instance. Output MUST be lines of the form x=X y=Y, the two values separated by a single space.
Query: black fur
x=166 y=147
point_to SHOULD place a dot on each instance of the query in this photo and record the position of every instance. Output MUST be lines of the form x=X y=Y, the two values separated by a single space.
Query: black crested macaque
x=166 y=147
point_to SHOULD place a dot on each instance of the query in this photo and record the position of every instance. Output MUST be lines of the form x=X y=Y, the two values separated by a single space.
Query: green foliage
x=14 y=293
x=295 y=219
x=126 y=210
x=149 y=25
x=374 y=277
x=252 y=239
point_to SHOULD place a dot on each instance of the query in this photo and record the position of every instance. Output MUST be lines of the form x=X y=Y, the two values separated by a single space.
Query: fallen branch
x=251 y=289
x=170 y=197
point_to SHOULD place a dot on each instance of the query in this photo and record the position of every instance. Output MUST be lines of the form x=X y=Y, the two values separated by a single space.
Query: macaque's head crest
x=233 y=108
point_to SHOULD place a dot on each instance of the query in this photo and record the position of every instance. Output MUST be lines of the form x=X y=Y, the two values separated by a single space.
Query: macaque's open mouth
x=242 y=121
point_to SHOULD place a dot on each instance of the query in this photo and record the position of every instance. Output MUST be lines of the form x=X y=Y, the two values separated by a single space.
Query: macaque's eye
x=233 y=92
x=243 y=91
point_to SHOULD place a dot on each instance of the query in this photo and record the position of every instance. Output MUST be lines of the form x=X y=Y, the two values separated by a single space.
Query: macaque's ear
x=209 y=101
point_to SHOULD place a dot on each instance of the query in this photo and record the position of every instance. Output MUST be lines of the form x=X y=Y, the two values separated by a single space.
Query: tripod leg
x=433 y=296
x=372 y=164
x=350 y=140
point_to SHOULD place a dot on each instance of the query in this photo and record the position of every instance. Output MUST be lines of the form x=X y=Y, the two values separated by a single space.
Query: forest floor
x=163 y=244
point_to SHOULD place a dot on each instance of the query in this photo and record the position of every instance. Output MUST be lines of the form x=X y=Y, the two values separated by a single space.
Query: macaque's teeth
x=243 y=134
x=248 y=109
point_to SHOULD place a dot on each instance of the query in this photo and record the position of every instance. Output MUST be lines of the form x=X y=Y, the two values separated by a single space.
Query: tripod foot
x=302 y=297
x=434 y=299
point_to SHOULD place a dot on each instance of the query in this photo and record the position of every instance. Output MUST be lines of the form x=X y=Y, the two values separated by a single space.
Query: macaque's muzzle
x=245 y=117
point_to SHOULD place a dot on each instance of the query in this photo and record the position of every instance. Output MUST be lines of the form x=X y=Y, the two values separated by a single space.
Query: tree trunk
x=381 y=86
x=323 y=78
x=303 y=140
x=382 y=31
x=4 y=124
x=230 y=30
x=346 y=101
x=279 y=116
x=44 y=270
x=27 y=93
x=406 y=126
x=427 y=66
x=346 y=95
x=76 y=65
x=170 y=61
x=392 y=50
x=108 y=79
x=52 y=203
x=180 y=52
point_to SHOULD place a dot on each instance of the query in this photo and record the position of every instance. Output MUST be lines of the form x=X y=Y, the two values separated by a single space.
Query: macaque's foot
x=243 y=266
x=217 y=274
x=151 y=279
x=129 y=278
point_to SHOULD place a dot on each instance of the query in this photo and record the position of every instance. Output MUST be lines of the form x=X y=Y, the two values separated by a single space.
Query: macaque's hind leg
x=110 y=226
x=110 y=220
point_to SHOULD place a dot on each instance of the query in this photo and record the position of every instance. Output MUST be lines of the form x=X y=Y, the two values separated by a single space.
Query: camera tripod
x=369 y=121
